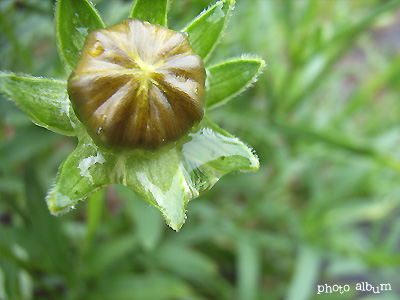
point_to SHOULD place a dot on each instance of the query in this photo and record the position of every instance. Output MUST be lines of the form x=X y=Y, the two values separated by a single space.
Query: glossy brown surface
x=137 y=85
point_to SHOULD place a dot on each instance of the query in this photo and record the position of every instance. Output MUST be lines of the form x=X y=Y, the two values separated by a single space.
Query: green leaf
x=10 y=285
x=249 y=267
x=206 y=29
x=94 y=215
x=301 y=286
x=154 y=11
x=25 y=144
x=85 y=171
x=336 y=139
x=45 y=230
x=188 y=263
x=230 y=78
x=44 y=100
x=306 y=79
x=74 y=21
x=109 y=253
x=149 y=224
x=177 y=257
x=149 y=286
x=368 y=89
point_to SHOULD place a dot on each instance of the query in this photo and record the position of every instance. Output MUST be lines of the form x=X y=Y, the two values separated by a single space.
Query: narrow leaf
x=74 y=21
x=308 y=262
x=45 y=101
x=94 y=215
x=188 y=263
x=25 y=144
x=205 y=30
x=10 y=285
x=149 y=224
x=149 y=286
x=307 y=79
x=108 y=253
x=248 y=267
x=45 y=230
x=230 y=78
x=367 y=90
x=154 y=11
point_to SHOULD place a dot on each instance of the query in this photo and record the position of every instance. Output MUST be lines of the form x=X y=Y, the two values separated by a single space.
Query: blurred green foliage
x=324 y=119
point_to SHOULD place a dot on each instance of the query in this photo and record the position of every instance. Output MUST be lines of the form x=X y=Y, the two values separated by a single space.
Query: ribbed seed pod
x=137 y=85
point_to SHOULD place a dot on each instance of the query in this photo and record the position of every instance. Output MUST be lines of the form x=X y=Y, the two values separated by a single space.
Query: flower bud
x=137 y=85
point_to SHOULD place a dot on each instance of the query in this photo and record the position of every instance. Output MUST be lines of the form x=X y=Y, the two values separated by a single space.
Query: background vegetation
x=324 y=119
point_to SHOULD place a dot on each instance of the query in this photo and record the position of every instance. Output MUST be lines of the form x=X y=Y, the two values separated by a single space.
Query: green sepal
x=74 y=21
x=85 y=170
x=154 y=11
x=168 y=179
x=159 y=180
x=206 y=29
x=230 y=78
x=44 y=100
x=171 y=177
x=217 y=152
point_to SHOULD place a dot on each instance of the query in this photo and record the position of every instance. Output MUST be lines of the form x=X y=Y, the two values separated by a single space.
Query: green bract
x=174 y=174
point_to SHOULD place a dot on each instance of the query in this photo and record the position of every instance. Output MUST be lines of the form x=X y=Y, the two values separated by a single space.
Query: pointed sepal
x=74 y=21
x=206 y=29
x=230 y=78
x=86 y=170
x=44 y=100
x=154 y=12
x=171 y=177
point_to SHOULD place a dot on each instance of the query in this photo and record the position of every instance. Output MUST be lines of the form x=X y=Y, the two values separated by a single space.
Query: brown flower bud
x=137 y=85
